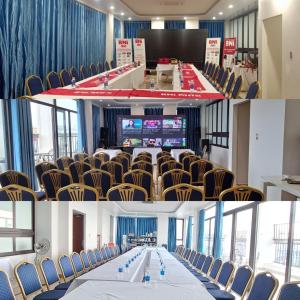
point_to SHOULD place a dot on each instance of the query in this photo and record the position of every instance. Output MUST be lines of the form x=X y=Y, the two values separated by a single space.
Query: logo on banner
x=138 y=42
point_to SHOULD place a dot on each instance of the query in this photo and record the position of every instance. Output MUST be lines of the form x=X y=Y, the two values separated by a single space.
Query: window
x=16 y=228
x=209 y=230
x=295 y=265
x=179 y=232
x=227 y=237
x=3 y=150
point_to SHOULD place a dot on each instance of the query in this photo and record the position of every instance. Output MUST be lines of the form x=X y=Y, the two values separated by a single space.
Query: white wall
x=219 y=156
x=157 y=24
x=104 y=224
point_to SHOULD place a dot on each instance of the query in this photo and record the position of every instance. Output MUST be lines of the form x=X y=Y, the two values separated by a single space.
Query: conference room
x=174 y=250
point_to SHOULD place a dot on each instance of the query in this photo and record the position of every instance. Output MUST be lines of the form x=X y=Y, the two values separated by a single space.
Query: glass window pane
x=230 y=205
x=74 y=133
x=206 y=236
x=3 y=158
x=240 y=33
x=295 y=268
x=179 y=229
x=226 y=237
x=24 y=215
x=210 y=212
x=6 y=214
x=6 y=244
x=211 y=238
x=67 y=103
x=62 y=133
x=246 y=32
x=252 y=30
x=23 y=243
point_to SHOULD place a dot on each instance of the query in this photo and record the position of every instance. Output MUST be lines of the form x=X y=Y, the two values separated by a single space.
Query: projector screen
x=151 y=131
x=187 y=45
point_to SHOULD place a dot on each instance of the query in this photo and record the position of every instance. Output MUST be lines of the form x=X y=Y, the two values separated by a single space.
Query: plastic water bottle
x=127 y=267
x=162 y=273
x=73 y=82
x=192 y=85
x=152 y=84
x=120 y=273
x=147 y=279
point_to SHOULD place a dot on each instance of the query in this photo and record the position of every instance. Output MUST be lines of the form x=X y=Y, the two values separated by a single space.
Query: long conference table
x=105 y=282
x=124 y=83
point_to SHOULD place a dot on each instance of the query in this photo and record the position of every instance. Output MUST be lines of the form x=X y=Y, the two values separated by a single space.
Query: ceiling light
x=157 y=18
x=214 y=18
x=230 y=6
x=185 y=18
x=129 y=18
x=108 y=105
x=122 y=14
x=221 y=13
x=112 y=7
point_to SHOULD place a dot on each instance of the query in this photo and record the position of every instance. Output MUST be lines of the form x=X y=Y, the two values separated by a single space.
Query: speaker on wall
x=205 y=142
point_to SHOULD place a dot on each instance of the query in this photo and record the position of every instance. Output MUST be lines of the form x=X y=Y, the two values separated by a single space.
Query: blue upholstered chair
x=205 y=67
x=54 y=180
x=84 y=72
x=64 y=162
x=93 y=70
x=169 y=166
x=215 y=182
x=215 y=74
x=182 y=155
x=100 y=68
x=290 y=291
x=208 y=70
x=77 y=169
x=199 y=264
x=43 y=167
x=85 y=260
x=77 y=192
x=104 y=157
x=104 y=254
x=98 y=256
x=66 y=268
x=242 y=193
x=94 y=162
x=65 y=77
x=219 y=76
x=74 y=73
x=188 y=160
x=127 y=192
x=223 y=81
x=6 y=291
x=239 y=287
x=236 y=88
x=80 y=157
x=77 y=264
x=51 y=276
x=211 y=72
x=207 y=265
x=13 y=177
x=34 y=85
x=115 y=169
x=142 y=179
x=53 y=80
x=213 y=273
x=29 y=282
x=162 y=153
x=113 y=64
x=174 y=177
x=100 y=180
x=197 y=170
x=15 y=192
x=229 y=85
x=264 y=287
x=142 y=165
x=106 y=66
x=183 y=192
x=127 y=155
x=162 y=160
x=253 y=91
x=142 y=158
x=124 y=161
x=92 y=258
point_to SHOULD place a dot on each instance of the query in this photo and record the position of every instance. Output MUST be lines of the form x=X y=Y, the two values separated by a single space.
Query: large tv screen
x=151 y=131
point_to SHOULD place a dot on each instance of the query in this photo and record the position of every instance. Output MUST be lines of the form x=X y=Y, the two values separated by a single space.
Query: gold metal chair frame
x=79 y=166
x=27 y=84
x=183 y=192
x=76 y=191
x=45 y=166
x=230 y=277
x=9 y=283
x=82 y=261
x=126 y=191
x=66 y=279
x=81 y=156
x=13 y=177
x=203 y=163
x=77 y=274
x=275 y=281
x=241 y=193
x=111 y=168
x=61 y=77
x=44 y=275
x=172 y=165
x=91 y=160
x=141 y=165
x=14 y=192
x=48 y=80
x=239 y=90
x=177 y=175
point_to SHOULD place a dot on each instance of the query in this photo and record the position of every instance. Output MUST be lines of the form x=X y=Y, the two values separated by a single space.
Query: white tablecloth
x=248 y=76
x=176 y=152
x=110 y=152
x=153 y=151
x=161 y=68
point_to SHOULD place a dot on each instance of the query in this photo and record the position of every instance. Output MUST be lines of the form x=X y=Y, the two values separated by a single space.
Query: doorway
x=78 y=232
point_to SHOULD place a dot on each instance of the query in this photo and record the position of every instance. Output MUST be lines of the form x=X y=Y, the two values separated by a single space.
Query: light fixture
x=122 y=14
x=157 y=18
x=129 y=18
x=230 y=6
x=221 y=13
x=214 y=18
x=108 y=105
x=112 y=7
x=185 y=18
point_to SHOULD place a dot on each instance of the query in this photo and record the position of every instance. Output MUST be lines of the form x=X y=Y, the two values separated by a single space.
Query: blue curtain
x=172 y=235
x=174 y=24
x=82 y=135
x=188 y=242
x=200 y=241
x=131 y=28
x=153 y=111
x=39 y=36
x=217 y=249
x=117 y=34
x=22 y=138
x=146 y=225
x=125 y=225
x=110 y=122
x=193 y=115
x=215 y=28
x=96 y=126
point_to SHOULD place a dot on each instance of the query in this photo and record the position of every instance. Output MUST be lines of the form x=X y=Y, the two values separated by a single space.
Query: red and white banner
x=229 y=52
x=139 y=51
x=123 y=52
x=213 y=49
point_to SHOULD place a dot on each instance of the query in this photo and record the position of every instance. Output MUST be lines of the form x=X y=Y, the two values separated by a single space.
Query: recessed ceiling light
x=220 y=13
x=157 y=18
x=108 y=105
x=214 y=18
x=230 y=6
x=112 y=7
x=122 y=14
x=185 y=18
x=129 y=18
x=191 y=104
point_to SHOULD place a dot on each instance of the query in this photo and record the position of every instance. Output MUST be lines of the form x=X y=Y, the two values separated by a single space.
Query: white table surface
x=176 y=152
x=153 y=151
x=111 y=152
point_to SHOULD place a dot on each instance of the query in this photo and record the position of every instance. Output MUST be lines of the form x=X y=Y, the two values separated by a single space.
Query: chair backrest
x=200 y=261
x=210 y=65
x=65 y=77
x=290 y=290
x=43 y=167
x=143 y=165
x=113 y=64
x=6 y=291
x=80 y=156
x=77 y=264
x=100 y=180
x=226 y=274
x=242 y=193
x=230 y=83
x=15 y=192
x=77 y=192
x=142 y=179
x=183 y=155
x=53 y=80
x=215 y=269
x=215 y=182
x=194 y=262
x=145 y=153
x=100 y=67
x=212 y=71
x=183 y=192
x=64 y=162
x=93 y=70
x=34 y=85
x=49 y=272
x=170 y=165
x=122 y=160
x=162 y=160
x=28 y=279
x=92 y=258
x=197 y=170
x=253 y=90
x=84 y=72
x=127 y=192
x=205 y=67
x=104 y=254
x=66 y=268
x=74 y=73
x=220 y=75
x=127 y=155
x=85 y=260
x=264 y=287
x=115 y=169
x=77 y=169
x=242 y=280
x=237 y=88
x=104 y=157
x=224 y=79
x=143 y=158
x=106 y=66
x=162 y=153
x=54 y=180
x=174 y=177
x=207 y=264
x=94 y=162
x=98 y=256
x=13 y=177
x=215 y=74
x=188 y=160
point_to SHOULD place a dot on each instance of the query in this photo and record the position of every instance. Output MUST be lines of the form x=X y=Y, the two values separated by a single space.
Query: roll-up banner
x=213 y=49
x=139 y=51
x=229 y=52
x=123 y=52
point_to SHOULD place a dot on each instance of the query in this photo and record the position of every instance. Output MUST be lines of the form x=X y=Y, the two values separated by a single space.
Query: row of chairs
x=223 y=282
x=228 y=83
x=71 y=267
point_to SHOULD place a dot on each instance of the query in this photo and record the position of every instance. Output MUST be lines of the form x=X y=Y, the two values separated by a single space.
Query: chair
x=207 y=265
x=170 y=165
x=98 y=256
x=215 y=182
x=215 y=74
x=127 y=192
x=77 y=192
x=240 y=285
x=53 y=80
x=123 y=161
x=66 y=268
x=77 y=264
x=104 y=157
x=15 y=192
x=253 y=90
x=13 y=177
x=34 y=85
x=74 y=73
x=54 y=180
x=6 y=291
x=205 y=67
x=29 y=282
x=174 y=177
x=212 y=71
x=183 y=192
x=92 y=258
x=64 y=162
x=183 y=155
x=264 y=287
x=142 y=165
x=229 y=85
x=162 y=153
x=219 y=76
x=93 y=70
x=208 y=70
x=77 y=169
x=213 y=273
x=188 y=160
x=42 y=168
x=65 y=77
x=237 y=88
x=143 y=158
x=113 y=64
x=100 y=68
x=223 y=81
x=50 y=275
x=99 y=180
x=94 y=162
x=85 y=261
x=242 y=193
x=115 y=169
x=80 y=157
x=145 y=153
x=162 y=160
x=84 y=72
x=290 y=290
x=106 y=66
x=197 y=170
x=142 y=179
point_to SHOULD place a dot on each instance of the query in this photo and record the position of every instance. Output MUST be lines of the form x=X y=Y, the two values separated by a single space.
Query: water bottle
x=162 y=273
x=120 y=273
x=127 y=267
x=152 y=84
x=73 y=82
x=147 y=279
x=106 y=83
x=192 y=85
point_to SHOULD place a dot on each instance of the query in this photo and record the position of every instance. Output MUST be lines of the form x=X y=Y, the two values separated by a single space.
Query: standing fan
x=41 y=248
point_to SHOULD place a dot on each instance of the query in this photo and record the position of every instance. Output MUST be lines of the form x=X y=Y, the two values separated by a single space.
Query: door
x=78 y=232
